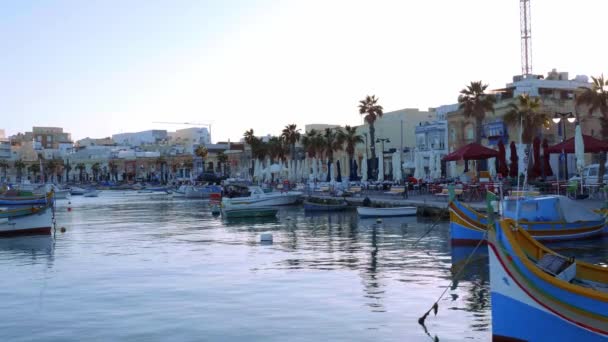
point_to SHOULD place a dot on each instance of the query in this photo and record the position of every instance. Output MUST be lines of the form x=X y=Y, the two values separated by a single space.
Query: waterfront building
x=138 y=138
x=557 y=93
x=190 y=137
x=432 y=138
x=5 y=147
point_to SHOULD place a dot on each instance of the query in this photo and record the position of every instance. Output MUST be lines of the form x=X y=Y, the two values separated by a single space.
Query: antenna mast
x=525 y=23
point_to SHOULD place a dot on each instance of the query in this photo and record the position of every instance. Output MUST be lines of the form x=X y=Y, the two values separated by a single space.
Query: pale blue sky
x=102 y=67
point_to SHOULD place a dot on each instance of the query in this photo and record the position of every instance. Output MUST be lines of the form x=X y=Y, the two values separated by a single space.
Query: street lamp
x=562 y=118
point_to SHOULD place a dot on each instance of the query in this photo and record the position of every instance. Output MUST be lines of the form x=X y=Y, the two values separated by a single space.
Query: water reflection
x=28 y=249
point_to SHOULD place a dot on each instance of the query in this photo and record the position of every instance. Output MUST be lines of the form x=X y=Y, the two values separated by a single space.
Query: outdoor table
x=593 y=190
x=474 y=192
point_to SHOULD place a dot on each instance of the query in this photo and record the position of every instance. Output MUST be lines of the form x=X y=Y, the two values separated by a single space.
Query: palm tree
x=19 y=165
x=372 y=111
x=332 y=141
x=161 y=162
x=34 y=169
x=113 y=170
x=4 y=166
x=222 y=159
x=475 y=103
x=291 y=135
x=249 y=136
x=95 y=168
x=276 y=149
x=596 y=98
x=350 y=138
x=527 y=113
x=201 y=152
x=310 y=142
x=50 y=169
x=80 y=167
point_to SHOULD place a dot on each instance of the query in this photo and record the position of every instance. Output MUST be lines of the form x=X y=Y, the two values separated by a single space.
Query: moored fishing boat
x=540 y=295
x=17 y=200
x=249 y=212
x=76 y=191
x=386 y=212
x=92 y=192
x=242 y=197
x=547 y=218
x=324 y=206
x=26 y=221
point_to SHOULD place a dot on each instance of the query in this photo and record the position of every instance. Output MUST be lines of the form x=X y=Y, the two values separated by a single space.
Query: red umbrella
x=535 y=170
x=502 y=160
x=472 y=151
x=513 y=170
x=592 y=145
x=547 y=165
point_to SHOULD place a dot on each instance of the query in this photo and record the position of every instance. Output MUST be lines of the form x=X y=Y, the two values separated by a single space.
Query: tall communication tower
x=525 y=23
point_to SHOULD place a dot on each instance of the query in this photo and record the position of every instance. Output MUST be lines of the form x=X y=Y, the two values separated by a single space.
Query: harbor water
x=141 y=267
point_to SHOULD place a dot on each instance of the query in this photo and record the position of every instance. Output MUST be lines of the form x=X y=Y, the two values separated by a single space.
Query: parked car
x=590 y=173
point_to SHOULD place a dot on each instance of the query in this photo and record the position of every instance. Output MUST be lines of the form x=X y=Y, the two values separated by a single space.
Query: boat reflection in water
x=36 y=245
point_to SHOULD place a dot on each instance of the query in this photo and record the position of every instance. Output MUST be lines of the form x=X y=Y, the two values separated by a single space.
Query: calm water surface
x=135 y=268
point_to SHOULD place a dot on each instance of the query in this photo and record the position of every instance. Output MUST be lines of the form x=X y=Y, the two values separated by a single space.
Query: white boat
x=386 y=212
x=255 y=197
x=58 y=192
x=74 y=191
x=91 y=193
x=39 y=222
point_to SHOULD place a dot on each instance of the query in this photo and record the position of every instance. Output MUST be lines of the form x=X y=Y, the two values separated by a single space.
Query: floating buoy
x=62 y=229
x=266 y=237
x=288 y=218
x=378 y=220
x=69 y=208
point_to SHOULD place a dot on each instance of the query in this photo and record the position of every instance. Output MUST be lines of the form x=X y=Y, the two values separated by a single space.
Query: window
x=452 y=134
x=470 y=132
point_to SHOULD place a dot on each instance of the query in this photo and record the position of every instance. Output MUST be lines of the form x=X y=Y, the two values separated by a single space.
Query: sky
x=98 y=68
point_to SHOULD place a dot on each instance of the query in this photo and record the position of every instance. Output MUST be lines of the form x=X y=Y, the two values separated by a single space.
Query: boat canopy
x=549 y=208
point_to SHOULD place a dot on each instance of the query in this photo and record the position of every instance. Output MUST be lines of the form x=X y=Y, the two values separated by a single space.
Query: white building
x=5 y=146
x=191 y=137
x=138 y=138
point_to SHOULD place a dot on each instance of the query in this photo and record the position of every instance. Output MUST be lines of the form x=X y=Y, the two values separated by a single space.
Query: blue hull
x=23 y=202
x=538 y=325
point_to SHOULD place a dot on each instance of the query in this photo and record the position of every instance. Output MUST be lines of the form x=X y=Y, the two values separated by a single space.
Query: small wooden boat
x=316 y=206
x=249 y=212
x=547 y=218
x=91 y=193
x=26 y=200
x=76 y=191
x=540 y=295
x=386 y=212
x=26 y=221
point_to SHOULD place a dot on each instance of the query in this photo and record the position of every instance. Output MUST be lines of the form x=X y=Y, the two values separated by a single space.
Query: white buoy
x=378 y=220
x=266 y=237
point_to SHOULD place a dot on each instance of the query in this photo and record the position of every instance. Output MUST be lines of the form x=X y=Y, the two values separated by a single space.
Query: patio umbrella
x=354 y=170
x=472 y=151
x=591 y=144
x=547 y=165
x=339 y=173
x=492 y=166
x=397 y=172
x=314 y=168
x=513 y=168
x=364 y=169
x=579 y=148
x=502 y=160
x=329 y=175
x=418 y=166
x=536 y=168
x=381 y=167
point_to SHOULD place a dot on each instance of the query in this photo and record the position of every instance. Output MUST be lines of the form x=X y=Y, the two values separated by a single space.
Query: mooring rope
x=433 y=225
x=435 y=306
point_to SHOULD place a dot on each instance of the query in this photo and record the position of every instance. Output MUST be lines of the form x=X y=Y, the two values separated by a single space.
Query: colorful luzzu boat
x=539 y=295
x=546 y=218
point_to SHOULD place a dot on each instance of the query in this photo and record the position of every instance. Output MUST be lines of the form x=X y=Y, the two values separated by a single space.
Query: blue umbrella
x=339 y=172
x=353 y=170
